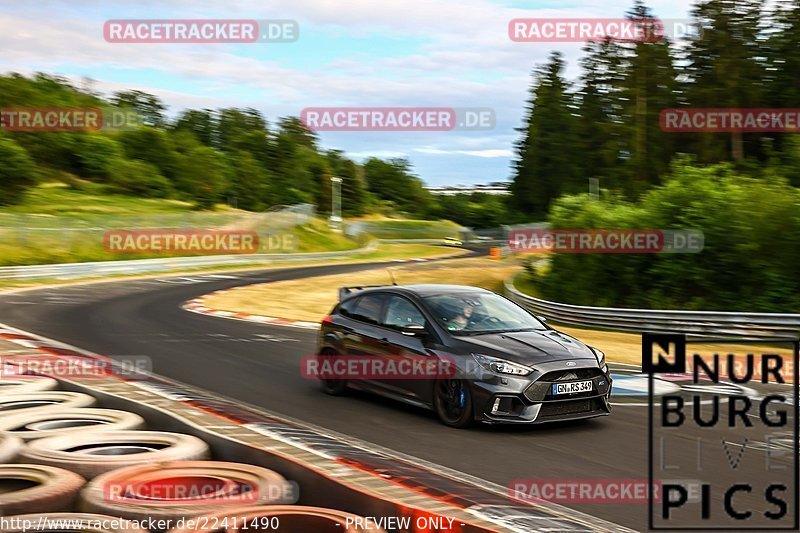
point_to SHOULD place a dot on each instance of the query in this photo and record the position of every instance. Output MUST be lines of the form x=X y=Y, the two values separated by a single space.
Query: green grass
x=317 y=237
x=409 y=229
x=58 y=199
x=58 y=224
x=384 y=251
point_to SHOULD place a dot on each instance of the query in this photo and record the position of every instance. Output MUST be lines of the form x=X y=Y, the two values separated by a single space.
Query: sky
x=350 y=53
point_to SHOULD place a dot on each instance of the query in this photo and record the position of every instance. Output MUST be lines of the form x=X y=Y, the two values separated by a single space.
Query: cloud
x=440 y=53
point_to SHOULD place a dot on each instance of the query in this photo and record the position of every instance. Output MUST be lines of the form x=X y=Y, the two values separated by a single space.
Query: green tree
x=153 y=146
x=545 y=166
x=203 y=176
x=724 y=68
x=603 y=138
x=148 y=106
x=392 y=181
x=17 y=171
x=200 y=123
x=233 y=124
x=649 y=81
x=248 y=182
x=95 y=154
x=138 y=178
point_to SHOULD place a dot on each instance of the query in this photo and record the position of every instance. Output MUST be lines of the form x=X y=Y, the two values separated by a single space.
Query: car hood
x=530 y=347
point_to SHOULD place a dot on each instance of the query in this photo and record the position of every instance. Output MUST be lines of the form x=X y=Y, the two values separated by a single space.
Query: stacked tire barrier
x=190 y=460
x=67 y=465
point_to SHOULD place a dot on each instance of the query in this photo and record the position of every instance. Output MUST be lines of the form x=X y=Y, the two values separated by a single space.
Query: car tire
x=217 y=485
x=18 y=384
x=103 y=451
x=452 y=401
x=290 y=518
x=334 y=387
x=44 y=401
x=41 y=425
x=40 y=489
x=10 y=446
x=78 y=523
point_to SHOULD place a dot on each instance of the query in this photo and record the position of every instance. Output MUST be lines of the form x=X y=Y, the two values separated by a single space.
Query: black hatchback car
x=494 y=361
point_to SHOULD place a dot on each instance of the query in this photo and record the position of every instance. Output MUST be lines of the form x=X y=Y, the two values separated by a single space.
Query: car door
x=367 y=336
x=400 y=313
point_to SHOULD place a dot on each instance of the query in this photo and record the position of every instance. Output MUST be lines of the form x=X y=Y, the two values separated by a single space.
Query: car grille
x=541 y=390
x=567 y=408
x=571 y=375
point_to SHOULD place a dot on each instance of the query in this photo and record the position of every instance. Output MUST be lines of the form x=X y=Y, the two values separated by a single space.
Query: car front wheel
x=453 y=402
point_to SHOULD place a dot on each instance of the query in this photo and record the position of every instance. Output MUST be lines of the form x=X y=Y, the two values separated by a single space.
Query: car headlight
x=501 y=366
x=601 y=357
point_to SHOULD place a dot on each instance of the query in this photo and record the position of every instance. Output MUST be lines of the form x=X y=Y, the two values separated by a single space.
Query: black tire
x=334 y=387
x=452 y=401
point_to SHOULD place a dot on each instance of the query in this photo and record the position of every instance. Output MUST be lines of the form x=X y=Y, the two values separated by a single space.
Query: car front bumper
x=502 y=399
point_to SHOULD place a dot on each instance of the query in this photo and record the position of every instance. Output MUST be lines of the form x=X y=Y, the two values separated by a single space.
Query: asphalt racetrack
x=260 y=365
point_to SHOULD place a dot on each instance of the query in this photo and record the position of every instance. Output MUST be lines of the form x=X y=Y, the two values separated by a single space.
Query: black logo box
x=671 y=351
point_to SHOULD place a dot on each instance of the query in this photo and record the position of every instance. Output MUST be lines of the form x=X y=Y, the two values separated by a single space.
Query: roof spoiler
x=344 y=291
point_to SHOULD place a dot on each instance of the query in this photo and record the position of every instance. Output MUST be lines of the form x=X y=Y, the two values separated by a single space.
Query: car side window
x=401 y=313
x=368 y=308
x=346 y=307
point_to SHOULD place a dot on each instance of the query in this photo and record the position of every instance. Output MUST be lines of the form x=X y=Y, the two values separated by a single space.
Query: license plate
x=572 y=387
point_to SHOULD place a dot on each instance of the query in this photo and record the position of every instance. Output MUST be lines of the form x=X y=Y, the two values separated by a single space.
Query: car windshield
x=480 y=313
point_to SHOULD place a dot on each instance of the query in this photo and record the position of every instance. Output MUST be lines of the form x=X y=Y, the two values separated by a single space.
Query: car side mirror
x=414 y=330
x=541 y=318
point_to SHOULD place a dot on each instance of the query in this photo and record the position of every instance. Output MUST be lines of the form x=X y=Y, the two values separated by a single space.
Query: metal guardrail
x=746 y=326
x=145 y=266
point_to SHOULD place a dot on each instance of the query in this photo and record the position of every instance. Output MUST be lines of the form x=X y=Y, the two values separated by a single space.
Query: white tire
x=18 y=384
x=182 y=489
x=37 y=489
x=10 y=446
x=40 y=425
x=91 y=454
x=72 y=522
x=44 y=401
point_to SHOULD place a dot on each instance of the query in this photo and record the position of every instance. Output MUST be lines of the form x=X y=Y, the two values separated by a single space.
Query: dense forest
x=605 y=125
x=739 y=189
x=205 y=156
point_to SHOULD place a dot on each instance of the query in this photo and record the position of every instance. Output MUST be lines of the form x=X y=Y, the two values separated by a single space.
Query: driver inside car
x=462 y=319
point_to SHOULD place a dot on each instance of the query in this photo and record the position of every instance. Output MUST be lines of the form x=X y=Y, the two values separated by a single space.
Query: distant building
x=495 y=187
